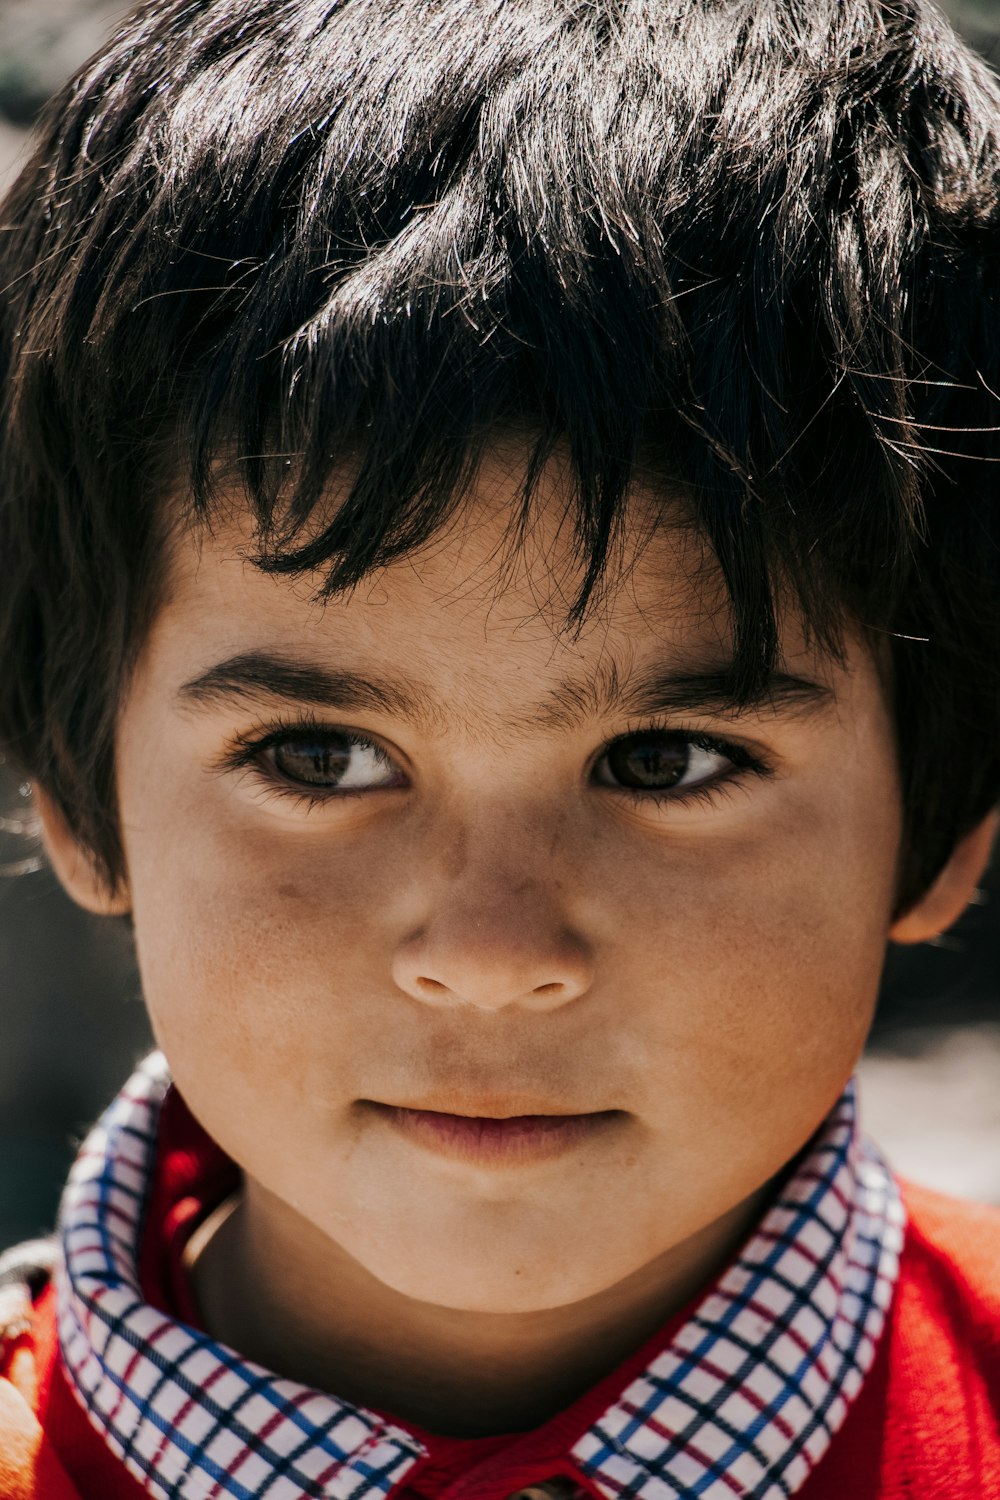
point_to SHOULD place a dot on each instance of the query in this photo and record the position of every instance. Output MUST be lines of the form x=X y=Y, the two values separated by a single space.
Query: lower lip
x=495 y=1142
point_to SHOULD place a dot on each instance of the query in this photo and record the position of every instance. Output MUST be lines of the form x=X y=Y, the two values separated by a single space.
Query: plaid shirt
x=743 y=1401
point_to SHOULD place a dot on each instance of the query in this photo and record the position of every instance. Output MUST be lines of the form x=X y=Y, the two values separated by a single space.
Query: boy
x=501 y=588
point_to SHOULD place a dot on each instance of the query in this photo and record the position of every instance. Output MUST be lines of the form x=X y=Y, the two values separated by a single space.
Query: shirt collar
x=743 y=1400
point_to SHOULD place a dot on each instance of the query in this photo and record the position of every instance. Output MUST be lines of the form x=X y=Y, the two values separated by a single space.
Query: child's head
x=502 y=581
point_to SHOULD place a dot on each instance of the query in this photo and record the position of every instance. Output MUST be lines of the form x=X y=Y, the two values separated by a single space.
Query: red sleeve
x=926 y=1424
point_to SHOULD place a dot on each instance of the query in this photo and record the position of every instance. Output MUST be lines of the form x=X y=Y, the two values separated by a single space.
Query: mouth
x=494 y=1139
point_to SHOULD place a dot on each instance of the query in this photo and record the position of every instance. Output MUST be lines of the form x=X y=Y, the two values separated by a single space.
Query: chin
x=526 y=1278
x=492 y=1297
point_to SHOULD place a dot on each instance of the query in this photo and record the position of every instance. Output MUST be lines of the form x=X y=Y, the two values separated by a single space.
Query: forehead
x=490 y=557
x=476 y=621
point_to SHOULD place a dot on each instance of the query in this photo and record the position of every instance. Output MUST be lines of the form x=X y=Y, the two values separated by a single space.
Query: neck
x=271 y=1285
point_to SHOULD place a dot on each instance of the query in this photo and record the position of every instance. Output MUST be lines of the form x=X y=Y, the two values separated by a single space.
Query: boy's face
x=490 y=918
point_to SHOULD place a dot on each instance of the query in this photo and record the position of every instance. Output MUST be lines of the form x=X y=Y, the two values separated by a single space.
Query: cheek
x=767 y=956
x=259 y=961
x=759 y=973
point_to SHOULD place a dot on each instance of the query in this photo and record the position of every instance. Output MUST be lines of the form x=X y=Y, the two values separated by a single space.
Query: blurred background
x=71 y=1020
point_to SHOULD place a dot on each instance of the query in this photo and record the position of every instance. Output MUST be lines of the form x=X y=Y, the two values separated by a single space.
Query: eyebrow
x=259 y=675
x=713 y=691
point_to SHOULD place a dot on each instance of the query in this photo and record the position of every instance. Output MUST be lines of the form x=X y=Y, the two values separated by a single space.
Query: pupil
x=648 y=763
x=312 y=761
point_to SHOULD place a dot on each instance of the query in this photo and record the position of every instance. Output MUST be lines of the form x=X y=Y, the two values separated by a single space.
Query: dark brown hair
x=749 y=245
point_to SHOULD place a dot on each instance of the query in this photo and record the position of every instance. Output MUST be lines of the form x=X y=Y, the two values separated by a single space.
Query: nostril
x=431 y=986
x=552 y=988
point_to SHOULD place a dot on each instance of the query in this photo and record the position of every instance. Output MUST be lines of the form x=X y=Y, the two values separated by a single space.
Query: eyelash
x=745 y=762
x=247 y=750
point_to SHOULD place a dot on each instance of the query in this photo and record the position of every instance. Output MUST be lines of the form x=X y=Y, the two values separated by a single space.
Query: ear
x=74 y=864
x=953 y=889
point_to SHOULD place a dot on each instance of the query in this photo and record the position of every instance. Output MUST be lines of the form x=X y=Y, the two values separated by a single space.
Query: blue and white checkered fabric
x=743 y=1402
x=747 y=1398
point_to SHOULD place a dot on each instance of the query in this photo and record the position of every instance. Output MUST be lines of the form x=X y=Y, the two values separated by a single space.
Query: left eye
x=658 y=762
x=332 y=762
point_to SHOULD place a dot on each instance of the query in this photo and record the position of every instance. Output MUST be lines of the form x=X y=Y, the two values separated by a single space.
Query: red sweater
x=925 y=1426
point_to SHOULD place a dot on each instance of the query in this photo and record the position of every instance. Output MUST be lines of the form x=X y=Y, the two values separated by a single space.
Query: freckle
x=289 y=891
x=455 y=857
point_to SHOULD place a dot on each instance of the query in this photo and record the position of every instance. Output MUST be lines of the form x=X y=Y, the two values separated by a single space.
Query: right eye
x=329 y=761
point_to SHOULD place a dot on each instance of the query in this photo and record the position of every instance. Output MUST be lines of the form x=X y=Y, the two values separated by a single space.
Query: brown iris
x=313 y=762
x=648 y=762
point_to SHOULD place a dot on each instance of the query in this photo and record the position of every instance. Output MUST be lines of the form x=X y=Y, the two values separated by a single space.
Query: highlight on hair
x=749 y=247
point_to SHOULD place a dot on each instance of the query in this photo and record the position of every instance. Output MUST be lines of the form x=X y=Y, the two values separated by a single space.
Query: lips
x=496 y=1140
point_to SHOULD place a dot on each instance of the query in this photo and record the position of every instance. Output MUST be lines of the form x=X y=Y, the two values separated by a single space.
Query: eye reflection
x=332 y=762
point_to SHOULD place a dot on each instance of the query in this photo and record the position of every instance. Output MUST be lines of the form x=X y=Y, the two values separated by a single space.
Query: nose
x=512 y=948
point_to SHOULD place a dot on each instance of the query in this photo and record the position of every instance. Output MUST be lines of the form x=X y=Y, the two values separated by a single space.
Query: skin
x=495 y=929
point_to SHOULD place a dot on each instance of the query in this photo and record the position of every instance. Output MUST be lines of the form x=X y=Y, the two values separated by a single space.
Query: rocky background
x=71 y=1021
